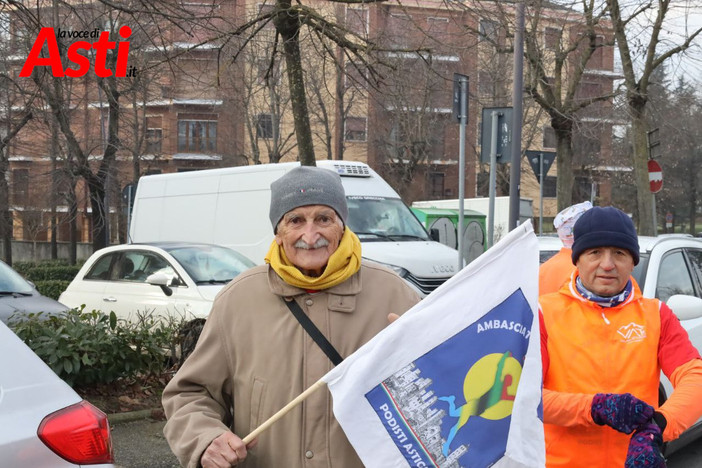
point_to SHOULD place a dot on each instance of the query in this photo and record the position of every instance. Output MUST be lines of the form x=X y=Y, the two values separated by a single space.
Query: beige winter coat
x=254 y=357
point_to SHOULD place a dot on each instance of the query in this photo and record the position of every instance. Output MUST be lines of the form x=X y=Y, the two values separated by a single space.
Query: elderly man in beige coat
x=254 y=357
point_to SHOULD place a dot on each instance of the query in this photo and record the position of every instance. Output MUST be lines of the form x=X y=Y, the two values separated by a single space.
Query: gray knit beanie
x=605 y=227
x=307 y=185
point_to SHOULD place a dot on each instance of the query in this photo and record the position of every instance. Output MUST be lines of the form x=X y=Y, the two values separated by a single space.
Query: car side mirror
x=434 y=234
x=685 y=307
x=159 y=279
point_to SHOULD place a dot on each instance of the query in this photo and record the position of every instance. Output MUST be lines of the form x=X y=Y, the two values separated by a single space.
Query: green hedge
x=51 y=288
x=51 y=272
x=86 y=348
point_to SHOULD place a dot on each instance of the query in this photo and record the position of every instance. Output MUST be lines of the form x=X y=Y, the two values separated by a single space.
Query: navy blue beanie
x=605 y=227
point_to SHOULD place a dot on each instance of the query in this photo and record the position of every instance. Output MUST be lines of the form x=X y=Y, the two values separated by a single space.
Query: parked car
x=670 y=269
x=19 y=297
x=548 y=247
x=43 y=422
x=180 y=279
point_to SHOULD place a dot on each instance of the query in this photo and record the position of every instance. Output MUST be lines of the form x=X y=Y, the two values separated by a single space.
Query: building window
x=397 y=29
x=356 y=75
x=357 y=20
x=153 y=140
x=489 y=31
x=549 y=137
x=438 y=29
x=20 y=186
x=197 y=135
x=552 y=38
x=355 y=129
x=264 y=126
x=4 y=29
x=436 y=184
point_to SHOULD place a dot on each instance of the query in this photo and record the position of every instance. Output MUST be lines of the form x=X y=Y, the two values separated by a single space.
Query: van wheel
x=188 y=336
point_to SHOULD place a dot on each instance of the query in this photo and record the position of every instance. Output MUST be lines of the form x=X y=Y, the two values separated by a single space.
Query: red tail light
x=78 y=433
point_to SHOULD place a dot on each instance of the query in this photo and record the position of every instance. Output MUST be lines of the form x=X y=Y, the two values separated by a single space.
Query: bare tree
x=639 y=60
x=11 y=125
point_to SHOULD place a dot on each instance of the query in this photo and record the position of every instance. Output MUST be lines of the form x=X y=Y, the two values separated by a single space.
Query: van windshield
x=383 y=219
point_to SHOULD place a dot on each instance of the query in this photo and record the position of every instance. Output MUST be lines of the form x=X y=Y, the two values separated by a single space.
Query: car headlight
x=397 y=269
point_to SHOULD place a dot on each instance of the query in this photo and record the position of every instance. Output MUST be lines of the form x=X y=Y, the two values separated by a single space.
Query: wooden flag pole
x=269 y=422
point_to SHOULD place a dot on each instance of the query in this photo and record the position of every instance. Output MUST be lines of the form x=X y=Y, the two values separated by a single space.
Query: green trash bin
x=445 y=221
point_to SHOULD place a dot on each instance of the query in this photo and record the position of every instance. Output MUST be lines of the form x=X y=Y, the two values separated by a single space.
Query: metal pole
x=493 y=163
x=517 y=85
x=655 y=221
x=541 y=193
x=129 y=212
x=462 y=166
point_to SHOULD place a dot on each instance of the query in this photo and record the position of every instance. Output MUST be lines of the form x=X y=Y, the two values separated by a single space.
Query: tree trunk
x=287 y=23
x=563 y=128
x=54 y=189
x=644 y=198
x=72 y=231
x=5 y=214
x=692 y=184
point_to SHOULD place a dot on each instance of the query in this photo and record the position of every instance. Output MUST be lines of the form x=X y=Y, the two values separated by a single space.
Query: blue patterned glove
x=645 y=448
x=621 y=411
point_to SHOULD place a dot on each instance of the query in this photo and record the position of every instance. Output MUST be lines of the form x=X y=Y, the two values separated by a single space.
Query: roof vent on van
x=353 y=170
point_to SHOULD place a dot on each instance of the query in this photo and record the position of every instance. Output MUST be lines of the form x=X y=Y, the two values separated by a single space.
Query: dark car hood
x=11 y=304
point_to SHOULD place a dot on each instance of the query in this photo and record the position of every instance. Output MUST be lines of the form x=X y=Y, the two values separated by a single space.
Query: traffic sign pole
x=493 y=163
x=541 y=194
x=655 y=180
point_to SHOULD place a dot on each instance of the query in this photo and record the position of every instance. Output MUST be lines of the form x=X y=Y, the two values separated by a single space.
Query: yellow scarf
x=342 y=264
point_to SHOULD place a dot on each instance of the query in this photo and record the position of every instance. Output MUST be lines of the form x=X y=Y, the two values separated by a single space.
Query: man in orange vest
x=603 y=348
x=556 y=270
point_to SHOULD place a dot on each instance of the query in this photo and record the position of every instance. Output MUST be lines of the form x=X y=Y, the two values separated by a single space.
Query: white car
x=177 y=279
x=43 y=422
x=670 y=269
x=548 y=247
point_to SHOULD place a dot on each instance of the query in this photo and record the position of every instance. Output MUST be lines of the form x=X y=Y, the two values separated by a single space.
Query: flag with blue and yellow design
x=456 y=381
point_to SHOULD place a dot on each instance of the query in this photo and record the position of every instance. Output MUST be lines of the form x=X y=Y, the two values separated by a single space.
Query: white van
x=230 y=207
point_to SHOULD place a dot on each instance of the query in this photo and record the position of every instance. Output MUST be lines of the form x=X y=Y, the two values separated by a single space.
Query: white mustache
x=321 y=242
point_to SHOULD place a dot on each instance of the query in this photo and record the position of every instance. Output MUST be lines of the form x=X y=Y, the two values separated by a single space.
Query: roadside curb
x=129 y=416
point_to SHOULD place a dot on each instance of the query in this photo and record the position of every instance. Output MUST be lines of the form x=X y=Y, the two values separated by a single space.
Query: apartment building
x=196 y=100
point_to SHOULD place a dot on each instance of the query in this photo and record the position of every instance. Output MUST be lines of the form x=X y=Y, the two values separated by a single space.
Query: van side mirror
x=159 y=279
x=434 y=234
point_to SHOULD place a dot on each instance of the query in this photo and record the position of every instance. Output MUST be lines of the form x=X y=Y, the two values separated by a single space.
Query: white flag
x=456 y=381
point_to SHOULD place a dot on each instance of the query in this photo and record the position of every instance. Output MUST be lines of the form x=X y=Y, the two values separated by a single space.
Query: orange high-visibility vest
x=592 y=350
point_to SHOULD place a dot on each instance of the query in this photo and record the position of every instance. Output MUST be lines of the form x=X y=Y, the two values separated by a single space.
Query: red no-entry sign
x=655 y=176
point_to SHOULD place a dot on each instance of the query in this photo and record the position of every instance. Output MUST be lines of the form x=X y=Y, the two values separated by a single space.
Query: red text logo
x=101 y=46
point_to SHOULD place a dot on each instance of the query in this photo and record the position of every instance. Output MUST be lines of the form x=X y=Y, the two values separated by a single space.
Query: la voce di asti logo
x=75 y=57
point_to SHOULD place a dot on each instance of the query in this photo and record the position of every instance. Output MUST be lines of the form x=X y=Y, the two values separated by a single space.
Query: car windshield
x=12 y=282
x=210 y=264
x=383 y=219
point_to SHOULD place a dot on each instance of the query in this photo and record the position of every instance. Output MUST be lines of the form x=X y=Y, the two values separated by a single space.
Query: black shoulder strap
x=314 y=332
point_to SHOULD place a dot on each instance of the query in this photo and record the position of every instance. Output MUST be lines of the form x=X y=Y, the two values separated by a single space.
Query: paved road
x=140 y=444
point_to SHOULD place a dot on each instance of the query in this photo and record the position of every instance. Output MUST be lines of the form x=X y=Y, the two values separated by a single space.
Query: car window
x=673 y=277
x=137 y=265
x=210 y=264
x=546 y=254
x=695 y=257
x=12 y=282
x=101 y=269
